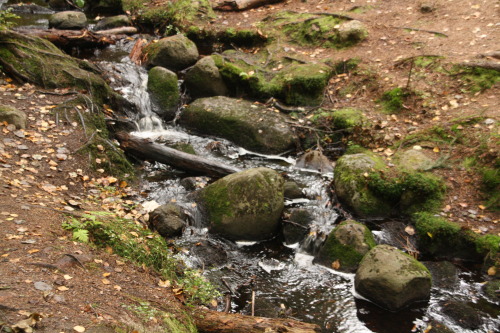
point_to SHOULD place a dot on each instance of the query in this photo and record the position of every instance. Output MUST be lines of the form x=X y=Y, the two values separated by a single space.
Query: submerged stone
x=392 y=279
x=244 y=206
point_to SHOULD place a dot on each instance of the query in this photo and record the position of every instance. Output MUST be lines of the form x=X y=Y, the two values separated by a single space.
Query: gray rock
x=244 y=206
x=414 y=160
x=352 y=31
x=315 y=160
x=392 y=279
x=347 y=243
x=251 y=126
x=168 y=220
x=40 y=285
x=296 y=231
x=492 y=290
x=293 y=190
x=350 y=185
x=204 y=79
x=111 y=22
x=164 y=90
x=13 y=116
x=174 y=52
x=462 y=314
x=68 y=20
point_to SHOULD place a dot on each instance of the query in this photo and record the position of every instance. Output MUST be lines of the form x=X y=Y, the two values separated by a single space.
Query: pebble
x=489 y=121
x=39 y=285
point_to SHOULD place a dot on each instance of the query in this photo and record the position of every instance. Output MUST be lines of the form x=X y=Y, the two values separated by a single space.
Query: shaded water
x=284 y=279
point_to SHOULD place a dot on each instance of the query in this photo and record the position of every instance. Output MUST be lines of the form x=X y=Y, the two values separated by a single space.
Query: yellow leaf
x=164 y=284
x=62 y=288
x=492 y=271
x=106 y=274
x=429 y=234
x=436 y=150
x=33 y=251
x=79 y=329
x=336 y=264
x=105 y=281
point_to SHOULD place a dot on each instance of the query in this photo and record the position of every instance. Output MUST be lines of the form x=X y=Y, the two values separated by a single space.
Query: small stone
x=489 y=121
x=39 y=285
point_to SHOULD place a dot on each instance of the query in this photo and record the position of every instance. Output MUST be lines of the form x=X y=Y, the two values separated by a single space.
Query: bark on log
x=482 y=64
x=73 y=38
x=145 y=149
x=208 y=321
x=240 y=5
x=118 y=31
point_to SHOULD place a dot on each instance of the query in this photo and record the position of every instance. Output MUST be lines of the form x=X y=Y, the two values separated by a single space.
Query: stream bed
x=282 y=277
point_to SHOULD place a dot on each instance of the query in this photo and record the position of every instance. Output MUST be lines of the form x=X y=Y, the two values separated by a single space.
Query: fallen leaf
x=67 y=277
x=409 y=230
x=33 y=251
x=62 y=288
x=429 y=234
x=105 y=281
x=336 y=264
x=492 y=271
x=164 y=284
x=79 y=329
x=106 y=274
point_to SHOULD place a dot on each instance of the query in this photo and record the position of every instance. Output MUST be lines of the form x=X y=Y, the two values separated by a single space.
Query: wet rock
x=346 y=245
x=168 y=220
x=438 y=327
x=351 y=32
x=174 y=52
x=13 y=116
x=298 y=229
x=209 y=254
x=293 y=190
x=71 y=20
x=414 y=160
x=350 y=184
x=164 y=91
x=40 y=285
x=462 y=314
x=244 y=206
x=392 y=279
x=492 y=290
x=111 y=22
x=204 y=79
x=444 y=274
x=315 y=160
x=251 y=126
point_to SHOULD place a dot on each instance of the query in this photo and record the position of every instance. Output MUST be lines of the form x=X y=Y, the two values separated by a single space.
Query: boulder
x=350 y=184
x=352 y=32
x=462 y=314
x=168 y=220
x=174 y=52
x=13 y=116
x=204 y=79
x=413 y=160
x=345 y=246
x=315 y=160
x=164 y=90
x=293 y=190
x=251 y=126
x=244 y=206
x=296 y=226
x=71 y=20
x=111 y=22
x=392 y=279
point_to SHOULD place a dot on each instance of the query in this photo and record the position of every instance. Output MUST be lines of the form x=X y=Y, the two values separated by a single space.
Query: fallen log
x=240 y=5
x=482 y=64
x=118 y=31
x=145 y=149
x=208 y=321
x=73 y=38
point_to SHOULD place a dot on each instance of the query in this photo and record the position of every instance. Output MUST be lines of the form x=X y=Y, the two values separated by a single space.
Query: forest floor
x=44 y=180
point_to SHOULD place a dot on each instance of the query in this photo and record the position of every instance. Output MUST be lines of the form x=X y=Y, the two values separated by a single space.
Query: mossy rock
x=12 y=116
x=350 y=185
x=441 y=238
x=492 y=290
x=211 y=38
x=346 y=118
x=413 y=160
x=174 y=52
x=204 y=79
x=392 y=279
x=248 y=125
x=307 y=29
x=68 y=20
x=40 y=62
x=346 y=245
x=244 y=206
x=164 y=91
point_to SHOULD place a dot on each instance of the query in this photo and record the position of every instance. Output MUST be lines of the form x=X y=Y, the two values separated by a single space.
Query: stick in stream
x=146 y=149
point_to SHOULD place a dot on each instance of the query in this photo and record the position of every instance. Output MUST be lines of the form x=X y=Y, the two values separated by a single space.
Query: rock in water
x=251 y=126
x=392 y=279
x=204 y=79
x=13 y=116
x=68 y=20
x=244 y=206
x=168 y=220
x=164 y=90
x=174 y=52
x=347 y=243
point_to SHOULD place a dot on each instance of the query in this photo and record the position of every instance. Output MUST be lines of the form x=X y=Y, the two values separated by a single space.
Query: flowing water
x=283 y=278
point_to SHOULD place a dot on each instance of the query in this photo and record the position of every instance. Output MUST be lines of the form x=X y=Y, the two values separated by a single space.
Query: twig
x=253 y=303
x=296 y=224
x=83 y=122
x=76 y=259
x=482 y=64
x=409 y=75
x=228 y=303
x=422 y=30
x=86 y=143
x=229 y=288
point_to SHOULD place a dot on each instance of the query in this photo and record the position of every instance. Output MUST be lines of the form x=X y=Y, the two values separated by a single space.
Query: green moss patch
x=392 y=101
x=476 y=79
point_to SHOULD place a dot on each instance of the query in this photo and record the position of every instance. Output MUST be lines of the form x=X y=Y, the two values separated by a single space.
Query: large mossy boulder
x=293 y=83
x=174 y=52
x=111 y=22
x=249 y=125
x=164 y=90
x=345 y=246
x=13 y=116
x=204 y=79
x=68 y=20
x=244 y=206
x=392 y=279
x=35 y=60
x=350 y=182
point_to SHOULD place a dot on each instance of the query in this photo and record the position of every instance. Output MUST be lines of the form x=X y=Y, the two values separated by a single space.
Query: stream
x=283 y=277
